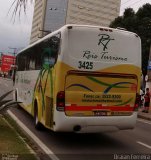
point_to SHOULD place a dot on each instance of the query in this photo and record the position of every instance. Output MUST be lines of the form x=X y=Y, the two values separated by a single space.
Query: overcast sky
x=135 y=4
x=14 y=35
x=17 y=35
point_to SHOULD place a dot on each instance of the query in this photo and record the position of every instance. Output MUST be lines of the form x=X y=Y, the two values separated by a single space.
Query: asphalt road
x=132 y=143
x=5 y=86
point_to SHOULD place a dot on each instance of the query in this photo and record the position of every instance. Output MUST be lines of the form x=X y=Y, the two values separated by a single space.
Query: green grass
x=11 y=143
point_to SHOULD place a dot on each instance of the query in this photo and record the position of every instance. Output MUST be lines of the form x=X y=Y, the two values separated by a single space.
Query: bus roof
x=69 y=26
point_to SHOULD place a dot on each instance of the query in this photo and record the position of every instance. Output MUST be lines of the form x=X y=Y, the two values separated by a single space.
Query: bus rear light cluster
x=137 y=102
x=61 y=101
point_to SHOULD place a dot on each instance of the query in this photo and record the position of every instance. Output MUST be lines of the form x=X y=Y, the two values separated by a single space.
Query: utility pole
x=14 y=52
x=14 y=61
x=1 y=58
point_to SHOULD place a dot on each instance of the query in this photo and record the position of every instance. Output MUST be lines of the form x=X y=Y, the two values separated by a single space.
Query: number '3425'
x=85 y=65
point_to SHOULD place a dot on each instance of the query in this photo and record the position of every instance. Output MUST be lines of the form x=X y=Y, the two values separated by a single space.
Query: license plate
x=100 y=113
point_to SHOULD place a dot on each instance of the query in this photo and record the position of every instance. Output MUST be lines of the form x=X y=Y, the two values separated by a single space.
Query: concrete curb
x=47 y=151
x=8 y=79
x=144 y=117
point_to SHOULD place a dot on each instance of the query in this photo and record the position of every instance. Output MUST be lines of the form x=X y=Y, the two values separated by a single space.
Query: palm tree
x=5 y=104
x=18 y=6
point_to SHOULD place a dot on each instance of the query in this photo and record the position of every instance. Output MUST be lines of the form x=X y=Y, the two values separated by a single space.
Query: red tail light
x=61 y=101
x=137 y=102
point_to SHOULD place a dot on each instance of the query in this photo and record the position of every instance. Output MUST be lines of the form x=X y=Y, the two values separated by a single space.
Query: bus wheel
x=38 y=125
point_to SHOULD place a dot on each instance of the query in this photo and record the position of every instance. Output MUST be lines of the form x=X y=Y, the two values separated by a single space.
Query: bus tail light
x=137 y=102
x=61 y=101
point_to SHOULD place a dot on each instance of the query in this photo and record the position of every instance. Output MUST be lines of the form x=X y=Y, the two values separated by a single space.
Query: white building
x=50 y=15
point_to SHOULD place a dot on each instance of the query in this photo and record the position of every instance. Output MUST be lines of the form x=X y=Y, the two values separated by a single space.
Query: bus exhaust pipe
x=76 y=128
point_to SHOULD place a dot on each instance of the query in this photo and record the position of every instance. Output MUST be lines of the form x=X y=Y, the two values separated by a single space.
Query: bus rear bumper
x=63 y=123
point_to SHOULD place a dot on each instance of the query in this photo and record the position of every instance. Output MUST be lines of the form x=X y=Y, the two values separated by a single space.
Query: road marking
x=6 y=84
x=34 y=137
x=144 y=121
x=143 y=144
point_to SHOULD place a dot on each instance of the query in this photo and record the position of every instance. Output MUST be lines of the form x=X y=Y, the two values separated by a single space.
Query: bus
x=81 y=78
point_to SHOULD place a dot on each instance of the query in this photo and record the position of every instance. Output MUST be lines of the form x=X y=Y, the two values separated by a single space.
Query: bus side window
x=21 y=62
x=37 y=50
x=50 y=51
x=31 y=64
x=48 y=60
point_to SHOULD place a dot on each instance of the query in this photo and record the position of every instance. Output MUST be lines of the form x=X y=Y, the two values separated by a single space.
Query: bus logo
x=104 y=40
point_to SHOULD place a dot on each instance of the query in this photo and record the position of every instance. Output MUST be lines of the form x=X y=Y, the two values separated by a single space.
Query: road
x=5 y=86
x=132 y=143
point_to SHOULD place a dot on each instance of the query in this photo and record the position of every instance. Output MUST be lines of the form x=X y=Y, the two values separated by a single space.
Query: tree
x=140 y=23
x=129 y=12
x=19 y=5
x=144 y=11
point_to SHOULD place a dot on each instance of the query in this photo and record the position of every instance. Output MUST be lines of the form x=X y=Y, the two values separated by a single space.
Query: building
x=38 y=20
x=50 y=15
x=7 y=61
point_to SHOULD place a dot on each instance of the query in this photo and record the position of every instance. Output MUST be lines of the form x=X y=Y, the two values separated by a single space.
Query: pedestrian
x=147 y=101
x=141 y=98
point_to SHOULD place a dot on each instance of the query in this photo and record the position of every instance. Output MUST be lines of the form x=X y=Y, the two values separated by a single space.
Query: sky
x=135 y=4
x=14 y=34
x=17 y=34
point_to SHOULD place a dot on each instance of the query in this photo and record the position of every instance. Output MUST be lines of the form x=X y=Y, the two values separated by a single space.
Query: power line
x=134 y=3
x=131 y=5
x=125 y=2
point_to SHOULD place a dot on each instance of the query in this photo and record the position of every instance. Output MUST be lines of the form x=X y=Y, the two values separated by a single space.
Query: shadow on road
x=75 y=143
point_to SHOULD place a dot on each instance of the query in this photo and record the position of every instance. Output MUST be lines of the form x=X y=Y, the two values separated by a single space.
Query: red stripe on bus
x=91 y=108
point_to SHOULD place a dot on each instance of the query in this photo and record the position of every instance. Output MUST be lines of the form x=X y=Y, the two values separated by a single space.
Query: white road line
x=34 y=137
x=144 y=121
x=143 y=144
x=6 y=84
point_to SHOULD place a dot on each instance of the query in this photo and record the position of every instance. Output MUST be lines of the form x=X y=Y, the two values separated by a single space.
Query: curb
x=8 y=79
x=144 y=117
x=19 y=136
x=47 y=151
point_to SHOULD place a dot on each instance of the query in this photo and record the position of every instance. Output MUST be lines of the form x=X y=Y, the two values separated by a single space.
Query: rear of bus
x=98 y=79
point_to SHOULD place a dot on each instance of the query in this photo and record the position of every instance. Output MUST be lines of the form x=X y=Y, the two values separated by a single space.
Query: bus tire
x=37 y=124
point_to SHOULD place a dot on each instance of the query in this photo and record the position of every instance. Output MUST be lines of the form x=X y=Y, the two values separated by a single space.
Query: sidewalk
x=8 y=79
x=143 y=115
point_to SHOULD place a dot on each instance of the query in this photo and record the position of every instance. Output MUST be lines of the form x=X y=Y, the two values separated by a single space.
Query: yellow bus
x=81 y=78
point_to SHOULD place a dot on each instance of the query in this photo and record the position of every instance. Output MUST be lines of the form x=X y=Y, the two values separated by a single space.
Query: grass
x=11 y=143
